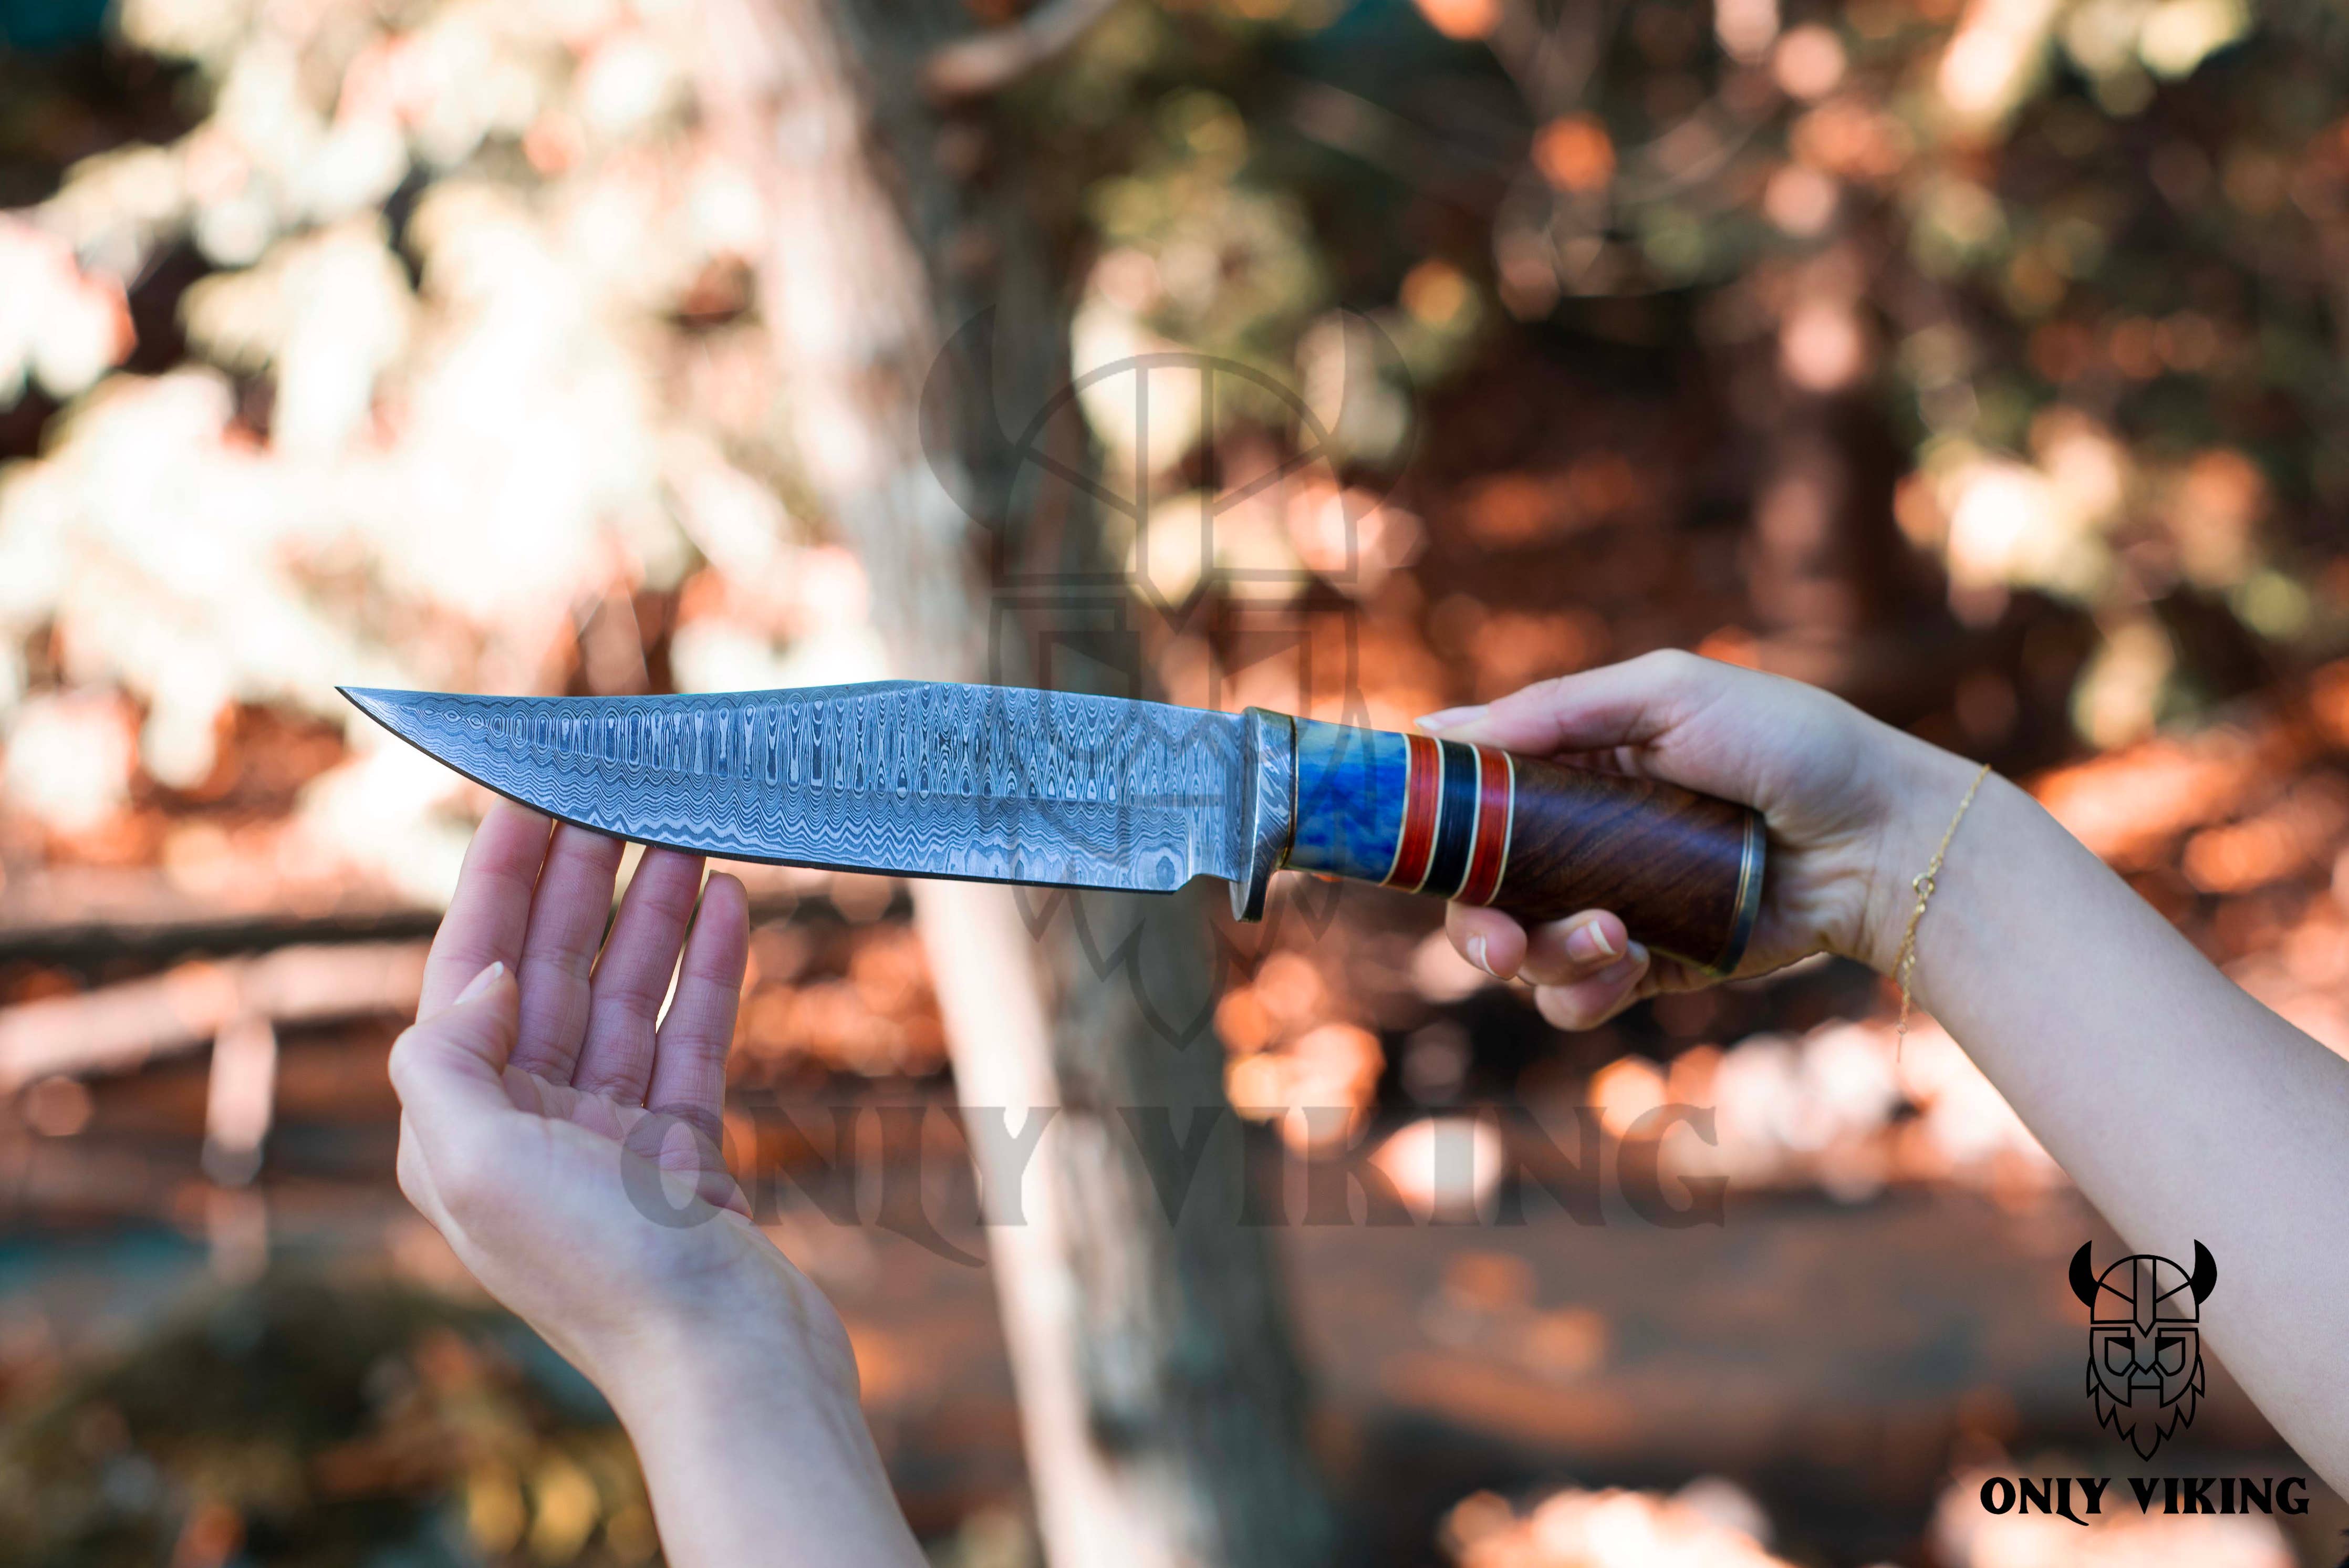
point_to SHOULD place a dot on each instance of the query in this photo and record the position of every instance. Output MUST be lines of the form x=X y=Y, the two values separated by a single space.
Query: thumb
x=1670 y=715
x=454 y=1062
x=1614 y=705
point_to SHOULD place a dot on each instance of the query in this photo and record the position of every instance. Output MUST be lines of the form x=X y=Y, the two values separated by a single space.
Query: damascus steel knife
x=997 y=784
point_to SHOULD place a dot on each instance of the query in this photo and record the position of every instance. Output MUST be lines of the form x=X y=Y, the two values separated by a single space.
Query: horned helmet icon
x=2144 y=1342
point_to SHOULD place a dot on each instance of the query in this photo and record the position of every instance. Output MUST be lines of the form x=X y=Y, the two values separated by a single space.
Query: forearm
x=751 y=1460
x=2184 y=1110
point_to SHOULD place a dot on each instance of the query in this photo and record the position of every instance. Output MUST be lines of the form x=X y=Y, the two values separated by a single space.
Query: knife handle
x=1538 y=839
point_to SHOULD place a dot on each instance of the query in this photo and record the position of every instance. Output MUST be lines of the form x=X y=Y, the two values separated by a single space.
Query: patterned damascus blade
x=915 y=778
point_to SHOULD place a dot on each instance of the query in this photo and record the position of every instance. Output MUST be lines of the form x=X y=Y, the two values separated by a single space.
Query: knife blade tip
x=380 y=703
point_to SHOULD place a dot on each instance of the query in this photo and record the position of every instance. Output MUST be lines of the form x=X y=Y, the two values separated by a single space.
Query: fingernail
x=1624 y=969
x=1477 y=955
x=1450 y=718
x=480 y=983
x=1587 y=944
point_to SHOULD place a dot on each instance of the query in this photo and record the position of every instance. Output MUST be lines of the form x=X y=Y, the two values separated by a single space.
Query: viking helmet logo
x=2144 y=1342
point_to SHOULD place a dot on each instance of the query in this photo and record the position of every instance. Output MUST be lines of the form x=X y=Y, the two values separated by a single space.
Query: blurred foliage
x=355 y=342
x=2077 y=255
x=426 y=343
x=423 y=343
x=304 y=1421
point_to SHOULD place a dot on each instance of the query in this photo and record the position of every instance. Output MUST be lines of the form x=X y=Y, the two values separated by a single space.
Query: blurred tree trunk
x=1833 y=598
x=1821 y=565
x=1159 y=1394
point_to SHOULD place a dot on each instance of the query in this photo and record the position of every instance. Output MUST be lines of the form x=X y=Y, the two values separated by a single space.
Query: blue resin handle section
x=1351 y=786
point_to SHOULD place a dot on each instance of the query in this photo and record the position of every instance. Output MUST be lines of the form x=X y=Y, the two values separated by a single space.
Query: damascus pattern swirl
x=918 y=778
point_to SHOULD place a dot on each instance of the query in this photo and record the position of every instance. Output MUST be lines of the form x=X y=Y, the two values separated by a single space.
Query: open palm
x=525 y=1132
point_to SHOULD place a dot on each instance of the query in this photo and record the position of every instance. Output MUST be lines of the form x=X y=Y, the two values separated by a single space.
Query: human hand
x=615 y=1230
x=1835 y=786
x=524 y=1137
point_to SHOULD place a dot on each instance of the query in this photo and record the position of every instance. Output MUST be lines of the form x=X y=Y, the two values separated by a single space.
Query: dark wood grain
x=1666 y=859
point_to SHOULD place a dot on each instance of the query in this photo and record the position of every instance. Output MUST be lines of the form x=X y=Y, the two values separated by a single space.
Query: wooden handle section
x=1538 y=839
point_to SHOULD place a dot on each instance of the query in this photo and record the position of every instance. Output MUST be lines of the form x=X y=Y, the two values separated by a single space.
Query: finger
x=491 y=907
x=1577 y=947
x=1590 y=1001
x=690 y=1059
x=1485 y=937
x=558 y=956
x=1626 y=704
x=631 y=979
x=1669 y=974
x=447 y=1069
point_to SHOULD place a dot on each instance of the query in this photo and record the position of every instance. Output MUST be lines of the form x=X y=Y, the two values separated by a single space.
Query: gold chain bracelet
x=1904 y=963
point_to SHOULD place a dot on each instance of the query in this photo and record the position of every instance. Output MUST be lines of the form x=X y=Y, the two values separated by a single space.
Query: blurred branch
x=1551 y=64
x=78 y=915
x=74 y=913
x=976 y=68
x=1696 y=148
x=120 y=1026
x=1371 y=132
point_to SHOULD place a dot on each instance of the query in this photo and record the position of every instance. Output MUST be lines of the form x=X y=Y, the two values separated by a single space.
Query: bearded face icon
x=2144 y=1342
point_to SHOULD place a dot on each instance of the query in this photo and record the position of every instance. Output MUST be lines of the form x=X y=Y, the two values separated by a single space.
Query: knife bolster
x=1538 y=839
x=1267 y=805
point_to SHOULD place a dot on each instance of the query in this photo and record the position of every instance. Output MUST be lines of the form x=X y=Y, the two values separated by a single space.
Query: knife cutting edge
x=1001 y=784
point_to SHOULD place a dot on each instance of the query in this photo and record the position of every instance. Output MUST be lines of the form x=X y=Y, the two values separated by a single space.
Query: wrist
x=679 y=1394
x=1922 y=789
x=758 y=1317
x=754 y=1446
